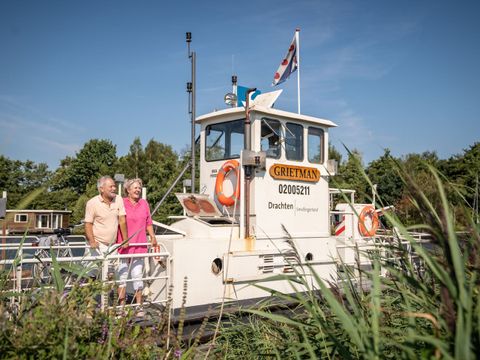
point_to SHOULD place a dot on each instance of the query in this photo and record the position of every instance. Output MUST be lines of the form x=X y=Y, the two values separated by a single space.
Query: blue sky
x=403 y=75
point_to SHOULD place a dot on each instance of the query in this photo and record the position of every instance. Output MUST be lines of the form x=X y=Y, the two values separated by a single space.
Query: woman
x=139 y=221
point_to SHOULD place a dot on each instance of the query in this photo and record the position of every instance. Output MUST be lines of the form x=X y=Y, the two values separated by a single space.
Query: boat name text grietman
x=291 y=172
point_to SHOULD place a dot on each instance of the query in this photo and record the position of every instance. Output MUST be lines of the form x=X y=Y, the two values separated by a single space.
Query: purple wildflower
x=104 y=335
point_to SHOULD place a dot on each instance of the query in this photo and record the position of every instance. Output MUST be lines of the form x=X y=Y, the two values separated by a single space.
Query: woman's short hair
x=129 y=182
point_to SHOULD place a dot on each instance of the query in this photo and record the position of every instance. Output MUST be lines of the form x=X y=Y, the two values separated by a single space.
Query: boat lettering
x=294 y=189
x=280 y=206
x=291 y=172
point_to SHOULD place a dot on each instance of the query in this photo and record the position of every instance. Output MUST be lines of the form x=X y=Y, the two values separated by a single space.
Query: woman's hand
x=153 y=240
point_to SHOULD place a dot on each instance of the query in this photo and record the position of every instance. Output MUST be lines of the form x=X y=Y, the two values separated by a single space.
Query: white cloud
x=69 y=148
x=26 y=115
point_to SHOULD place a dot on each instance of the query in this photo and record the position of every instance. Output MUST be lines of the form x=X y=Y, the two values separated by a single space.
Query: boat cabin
x=288 y=187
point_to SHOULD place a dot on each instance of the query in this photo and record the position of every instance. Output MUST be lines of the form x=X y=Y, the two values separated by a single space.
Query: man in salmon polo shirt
x=103 y=215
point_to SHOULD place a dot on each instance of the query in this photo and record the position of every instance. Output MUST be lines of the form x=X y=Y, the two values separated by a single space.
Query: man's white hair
x=102 y=181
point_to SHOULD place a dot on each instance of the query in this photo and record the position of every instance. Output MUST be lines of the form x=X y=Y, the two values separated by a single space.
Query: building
x=35 y=221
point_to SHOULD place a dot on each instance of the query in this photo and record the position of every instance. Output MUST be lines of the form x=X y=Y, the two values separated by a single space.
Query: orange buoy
x=368 y=222
x=230 y=165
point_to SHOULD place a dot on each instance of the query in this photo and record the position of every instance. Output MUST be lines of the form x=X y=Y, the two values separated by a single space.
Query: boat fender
x=230 y=165
x=369 y=230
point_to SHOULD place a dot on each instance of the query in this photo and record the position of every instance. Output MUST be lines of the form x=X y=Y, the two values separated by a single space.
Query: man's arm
x=89 y=235
x=123 y=228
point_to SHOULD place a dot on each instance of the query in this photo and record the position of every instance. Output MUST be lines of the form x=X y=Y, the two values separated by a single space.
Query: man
x=103 y=215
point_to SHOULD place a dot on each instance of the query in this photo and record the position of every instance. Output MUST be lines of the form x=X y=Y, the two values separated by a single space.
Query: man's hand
x=89 y=235
x=125 y=245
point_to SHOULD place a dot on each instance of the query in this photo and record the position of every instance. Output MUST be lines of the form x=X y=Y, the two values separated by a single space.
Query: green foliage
x=464 y=171
x=383 y=173
x=334 y=154
x=20 y=178
x=96 y=158
x=351 y=176
x=56 y=321
x=158 y=166
x=50 y=324
x=56 y=200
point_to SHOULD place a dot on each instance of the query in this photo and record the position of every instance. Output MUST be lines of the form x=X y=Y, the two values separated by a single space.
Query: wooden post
x=4 y=240
x=4 y=225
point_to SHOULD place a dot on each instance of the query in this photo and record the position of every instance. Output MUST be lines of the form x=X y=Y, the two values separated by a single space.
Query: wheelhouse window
x=43 y=221
x=21 y=218
x=294 y=141
x=270 y=138
x=224 y=140
x=315 y=145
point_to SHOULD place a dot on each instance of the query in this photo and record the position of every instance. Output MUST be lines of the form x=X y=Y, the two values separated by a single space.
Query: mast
x=191 y=89
x=248 y=173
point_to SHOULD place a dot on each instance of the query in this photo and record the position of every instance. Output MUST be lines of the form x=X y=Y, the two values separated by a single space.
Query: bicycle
x=58 y=248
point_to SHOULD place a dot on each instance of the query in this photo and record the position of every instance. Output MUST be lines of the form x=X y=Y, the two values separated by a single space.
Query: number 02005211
x=294 y=189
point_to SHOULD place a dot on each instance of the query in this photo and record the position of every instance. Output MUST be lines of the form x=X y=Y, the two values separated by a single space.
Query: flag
x=242 y=95
x=288 y=65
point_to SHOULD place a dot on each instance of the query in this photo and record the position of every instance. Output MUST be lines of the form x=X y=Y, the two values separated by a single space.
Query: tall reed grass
x=422 y=307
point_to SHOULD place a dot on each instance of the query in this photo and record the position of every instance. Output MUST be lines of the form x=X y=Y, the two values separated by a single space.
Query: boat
x=263 y=209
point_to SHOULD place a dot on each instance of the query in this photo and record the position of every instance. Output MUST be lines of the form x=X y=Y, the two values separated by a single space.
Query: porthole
x=217 y=266
x=309 y=257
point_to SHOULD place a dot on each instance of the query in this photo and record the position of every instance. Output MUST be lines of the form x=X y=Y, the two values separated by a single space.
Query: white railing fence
x=30 y=266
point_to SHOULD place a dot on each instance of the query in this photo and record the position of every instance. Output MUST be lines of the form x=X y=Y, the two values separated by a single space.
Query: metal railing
x=390 y=244
x=26 y=257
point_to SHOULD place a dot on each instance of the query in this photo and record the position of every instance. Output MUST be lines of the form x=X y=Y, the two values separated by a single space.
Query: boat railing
x=391 y=245
x=28 y=256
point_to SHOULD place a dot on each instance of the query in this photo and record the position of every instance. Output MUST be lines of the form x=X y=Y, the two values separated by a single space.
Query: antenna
x=191 y=86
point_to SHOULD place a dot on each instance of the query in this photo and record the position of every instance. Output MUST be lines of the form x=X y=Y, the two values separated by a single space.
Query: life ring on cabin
x=368 y=212
x=228 y=166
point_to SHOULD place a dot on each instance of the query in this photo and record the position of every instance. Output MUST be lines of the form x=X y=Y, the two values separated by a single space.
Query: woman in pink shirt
x=139 y=222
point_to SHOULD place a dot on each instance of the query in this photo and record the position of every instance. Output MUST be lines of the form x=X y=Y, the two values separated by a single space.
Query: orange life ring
x=368 y=211
x=222 y=173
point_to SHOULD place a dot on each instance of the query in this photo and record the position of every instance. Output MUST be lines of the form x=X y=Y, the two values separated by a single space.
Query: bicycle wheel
x=42 y=270
x=67 y=269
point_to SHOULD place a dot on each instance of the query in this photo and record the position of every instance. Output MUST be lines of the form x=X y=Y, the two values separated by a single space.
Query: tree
x=351 y=175
x=384 y=173
x=96 y=158
x=334 y=154
x=133 y=165
x=417 y=176
x=464 y=171
x=20 y=179
x=157 y=165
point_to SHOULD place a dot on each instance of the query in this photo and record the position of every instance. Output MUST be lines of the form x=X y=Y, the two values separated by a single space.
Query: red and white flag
x=288 y=65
